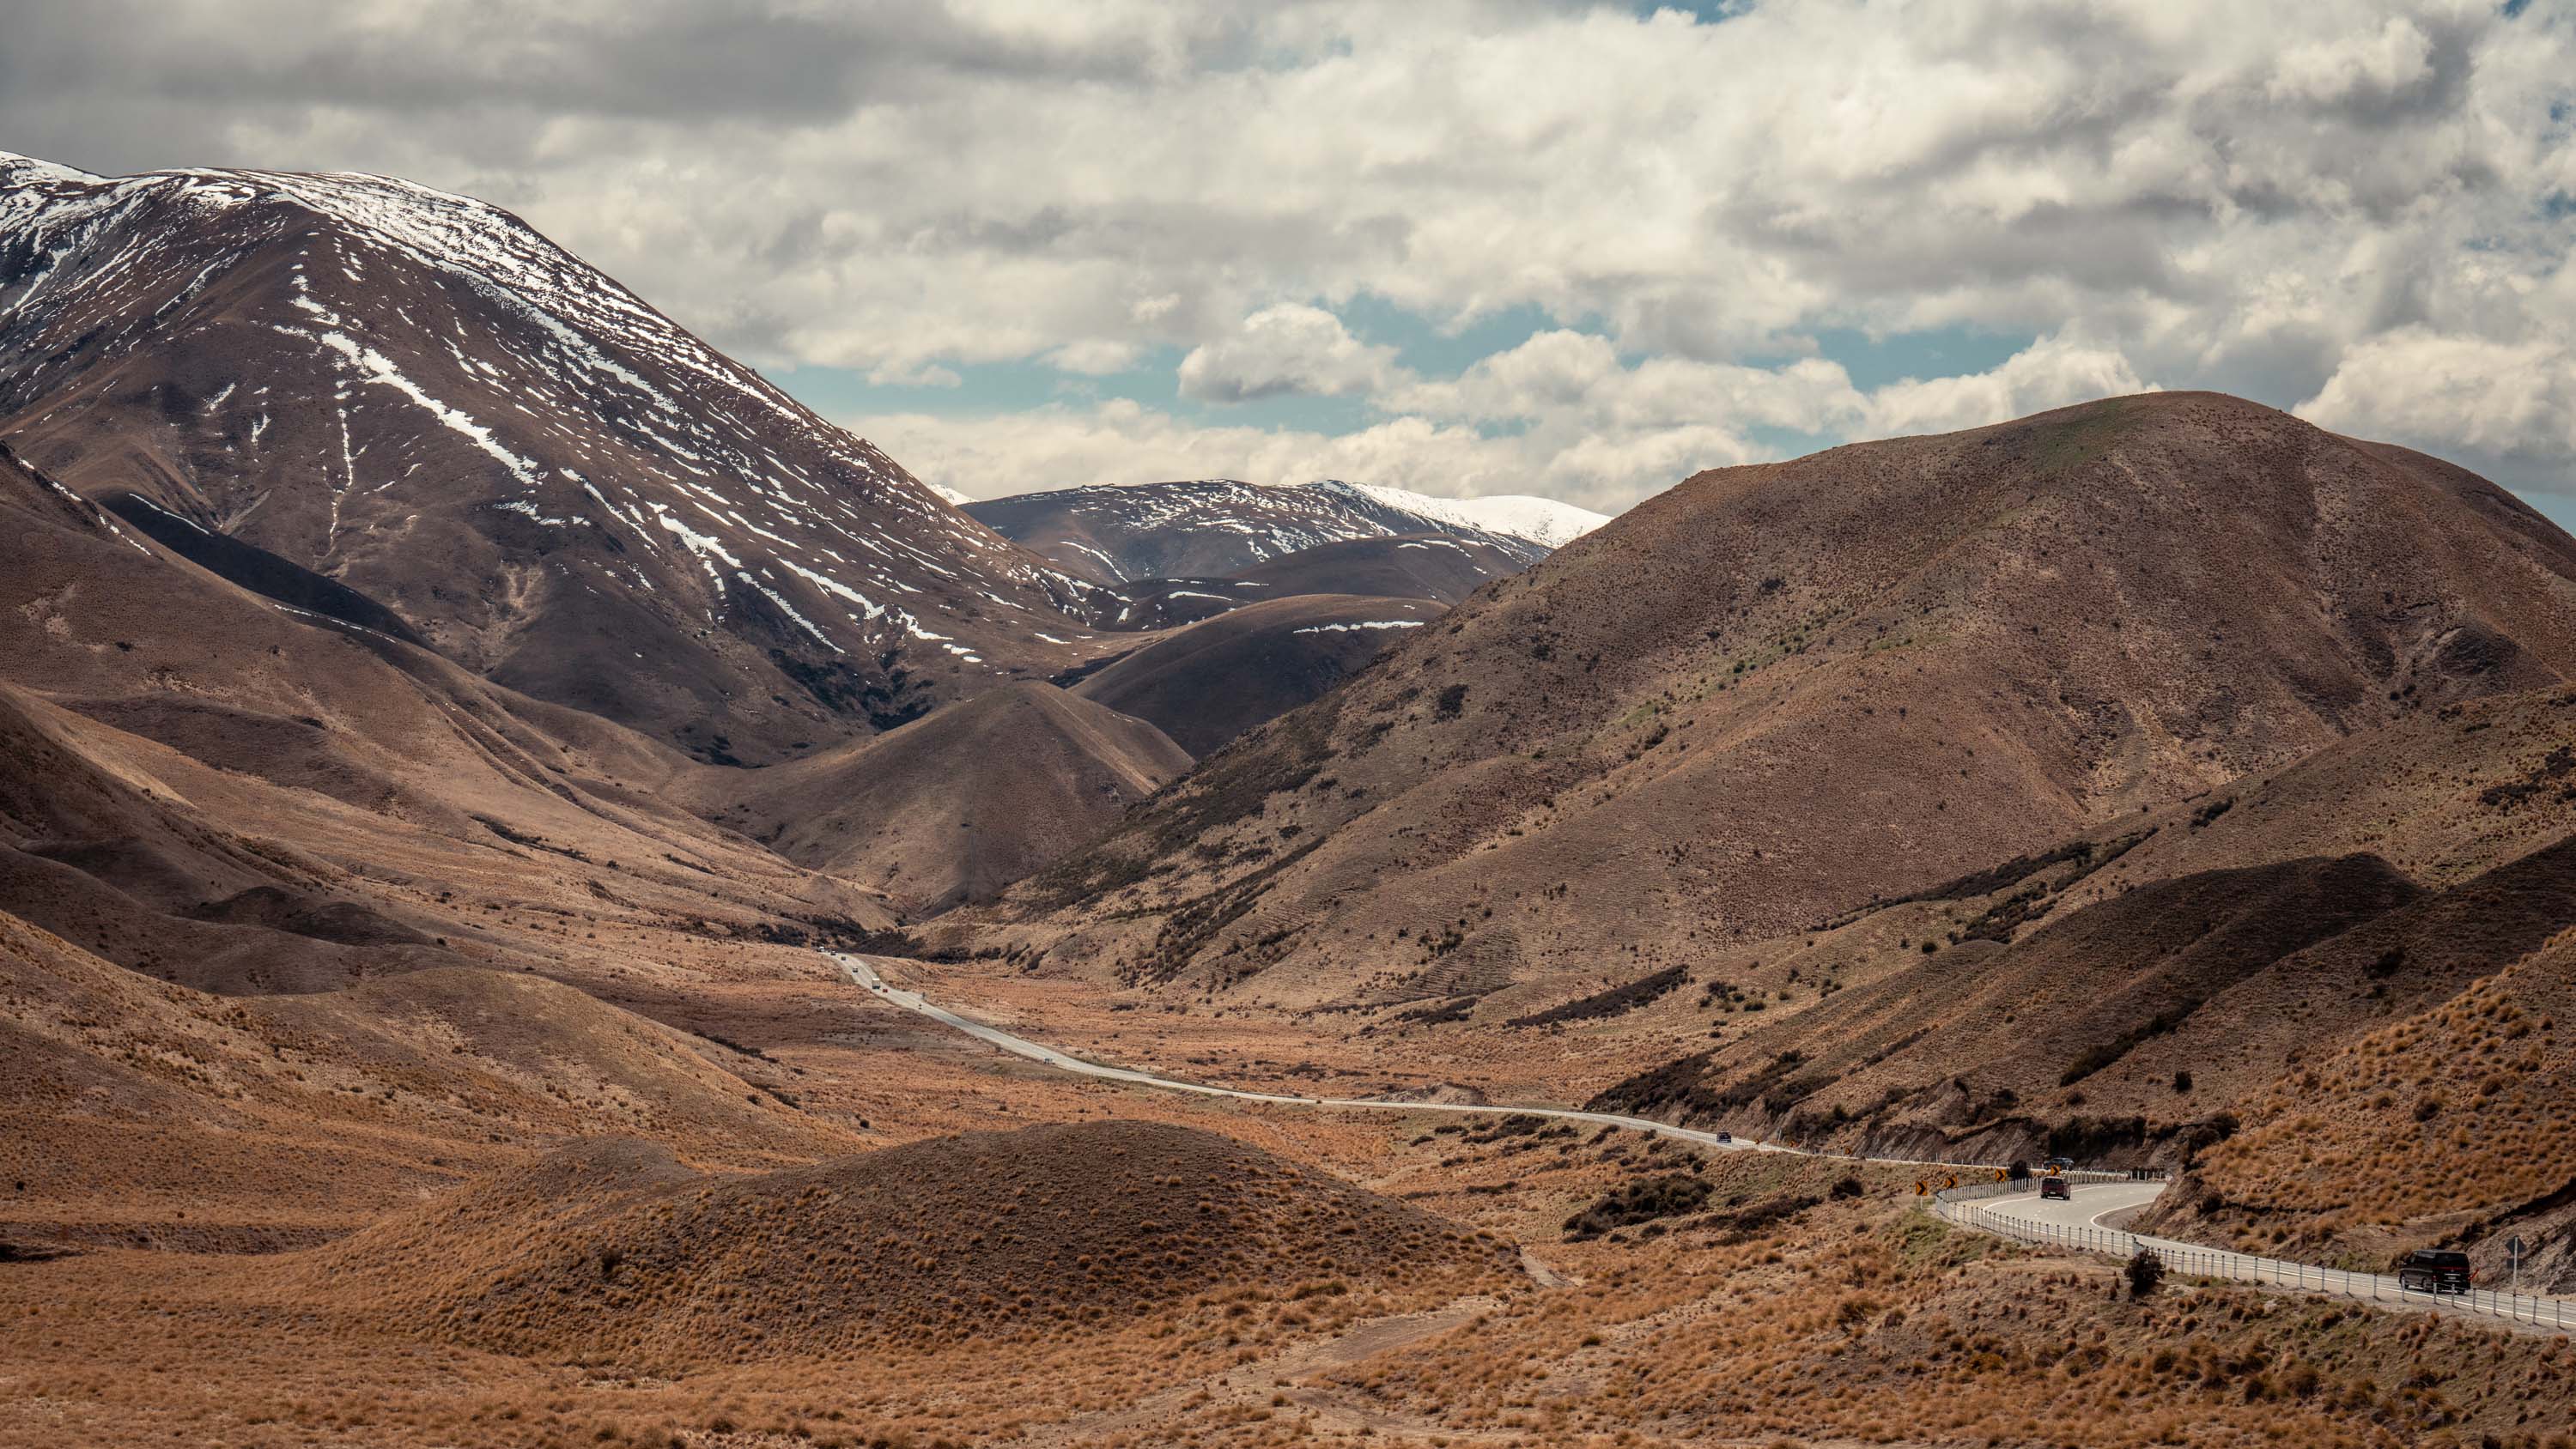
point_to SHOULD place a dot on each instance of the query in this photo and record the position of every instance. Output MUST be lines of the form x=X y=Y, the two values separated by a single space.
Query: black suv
x=2434 y=1270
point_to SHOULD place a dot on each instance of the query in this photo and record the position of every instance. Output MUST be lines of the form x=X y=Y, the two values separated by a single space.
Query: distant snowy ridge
x=1518 y=515
x=1217 y=527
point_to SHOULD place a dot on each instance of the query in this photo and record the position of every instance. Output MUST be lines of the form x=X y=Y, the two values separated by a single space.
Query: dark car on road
x=2434 y=1270
x=2056 y=1187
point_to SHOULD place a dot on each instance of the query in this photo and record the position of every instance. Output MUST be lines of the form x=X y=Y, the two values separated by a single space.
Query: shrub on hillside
x=1613 y=1002
x=1639 y=1200
x=2145 y=1272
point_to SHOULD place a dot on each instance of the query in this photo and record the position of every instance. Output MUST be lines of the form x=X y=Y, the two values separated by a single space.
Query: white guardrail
x=1955 y=1205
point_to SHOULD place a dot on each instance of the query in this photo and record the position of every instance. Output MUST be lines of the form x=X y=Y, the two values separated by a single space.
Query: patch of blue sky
x=982 y=387
x=1436 y=352
x=2558 y=508
x=1874 y=362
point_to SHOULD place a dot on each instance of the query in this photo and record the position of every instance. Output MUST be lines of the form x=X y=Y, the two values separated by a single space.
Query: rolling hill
x=1207 y=683
x=142 y=1113
x=2119 y=996
x=957 y=804
x=1777 y=693
x=617 y=1248
x=2443 y=1126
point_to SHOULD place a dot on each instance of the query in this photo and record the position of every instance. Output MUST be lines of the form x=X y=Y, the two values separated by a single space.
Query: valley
x=552 y=894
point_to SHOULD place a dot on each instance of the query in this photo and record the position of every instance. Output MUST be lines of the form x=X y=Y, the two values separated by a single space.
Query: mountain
x=1776 y=693
x=215 y=787
x=1416 y=566
x=1217 y=527
x=2211 y=988
x=2123 y=1023
x=2054 y=997
x=417 y=398
x=1207 y=683
x=957 y=804
x=1401 y=566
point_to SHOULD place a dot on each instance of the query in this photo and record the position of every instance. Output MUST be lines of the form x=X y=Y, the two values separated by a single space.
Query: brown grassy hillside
x=2065 y=994
x=1776 y=692
x=612 y=1248
x=1208 y=683
x=199 y=782
x=138 y=1111
x=2446 y=1124
x=2120 y=1026
x=1988 y=1041
x=956 y=805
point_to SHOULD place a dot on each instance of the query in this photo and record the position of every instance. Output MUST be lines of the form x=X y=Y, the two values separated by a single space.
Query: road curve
x=2078 y=1221
x=2085 y=1208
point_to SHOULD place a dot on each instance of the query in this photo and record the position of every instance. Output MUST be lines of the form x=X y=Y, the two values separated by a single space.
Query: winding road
x=2078 y=1221
x=861 y=971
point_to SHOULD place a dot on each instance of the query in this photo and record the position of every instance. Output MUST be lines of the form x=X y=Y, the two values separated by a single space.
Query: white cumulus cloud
x=1289 y=348
x=2293 y=202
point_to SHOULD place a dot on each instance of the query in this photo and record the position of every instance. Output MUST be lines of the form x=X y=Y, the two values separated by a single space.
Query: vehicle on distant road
x=2056 y=1188
x=2060 y=1164
x=2434 y=1270
x=1726 y=1137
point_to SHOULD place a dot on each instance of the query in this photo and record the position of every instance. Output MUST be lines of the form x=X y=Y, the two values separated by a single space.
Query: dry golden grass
x=2416 y=1130
x=1866 y=1321
x=614 y=1249
x=1775 y=1312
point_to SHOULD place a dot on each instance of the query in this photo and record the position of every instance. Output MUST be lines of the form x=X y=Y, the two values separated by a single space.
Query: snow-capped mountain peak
x=420 y=396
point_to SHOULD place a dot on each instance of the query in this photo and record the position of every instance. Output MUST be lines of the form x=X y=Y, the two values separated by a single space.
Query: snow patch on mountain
x=1212 y=527
x=1543 y=521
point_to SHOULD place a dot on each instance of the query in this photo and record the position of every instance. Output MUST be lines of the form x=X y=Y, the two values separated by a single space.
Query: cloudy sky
x=1462 y=246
